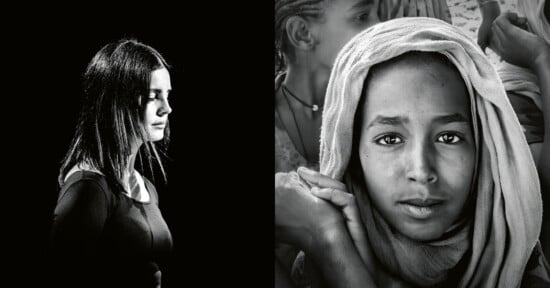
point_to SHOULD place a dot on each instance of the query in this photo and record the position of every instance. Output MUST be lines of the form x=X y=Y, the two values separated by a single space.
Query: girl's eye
x=389 y=140
x=449 y=138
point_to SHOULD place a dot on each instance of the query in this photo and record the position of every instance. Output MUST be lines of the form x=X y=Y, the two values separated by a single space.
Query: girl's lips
x=420 y=209
x=418 y=212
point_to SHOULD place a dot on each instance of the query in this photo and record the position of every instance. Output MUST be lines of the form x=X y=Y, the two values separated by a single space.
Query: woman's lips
x=159 y=125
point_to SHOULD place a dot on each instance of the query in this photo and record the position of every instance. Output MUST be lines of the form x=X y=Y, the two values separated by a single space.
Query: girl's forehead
x=413 y=88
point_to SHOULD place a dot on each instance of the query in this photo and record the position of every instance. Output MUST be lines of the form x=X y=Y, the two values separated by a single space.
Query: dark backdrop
x=43 y=64
x=218 y=202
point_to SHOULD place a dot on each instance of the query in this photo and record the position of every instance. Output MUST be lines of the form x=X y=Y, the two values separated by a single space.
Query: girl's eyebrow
x=399 y=120
x=456 y=117
x=385 y=120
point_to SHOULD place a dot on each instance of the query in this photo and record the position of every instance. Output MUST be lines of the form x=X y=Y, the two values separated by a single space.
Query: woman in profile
x=107 y=229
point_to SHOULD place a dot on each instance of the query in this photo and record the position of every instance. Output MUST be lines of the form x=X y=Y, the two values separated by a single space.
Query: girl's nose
x=421 y=168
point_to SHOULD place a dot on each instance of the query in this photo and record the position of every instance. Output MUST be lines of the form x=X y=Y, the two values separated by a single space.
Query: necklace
x=297 y=127
x=313 y=107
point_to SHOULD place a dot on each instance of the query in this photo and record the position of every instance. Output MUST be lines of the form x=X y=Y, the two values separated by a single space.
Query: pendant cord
x=297 y=127
x=286 y=91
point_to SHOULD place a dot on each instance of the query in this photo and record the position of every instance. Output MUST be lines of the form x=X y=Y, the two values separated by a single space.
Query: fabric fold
x=508 y=206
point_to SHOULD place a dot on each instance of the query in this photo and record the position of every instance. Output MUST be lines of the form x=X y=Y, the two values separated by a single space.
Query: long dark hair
x=115 y=85
x=283 y=10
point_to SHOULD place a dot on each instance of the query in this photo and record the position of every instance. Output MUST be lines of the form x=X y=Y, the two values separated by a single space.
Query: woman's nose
x=420 y=167
x=165 y=107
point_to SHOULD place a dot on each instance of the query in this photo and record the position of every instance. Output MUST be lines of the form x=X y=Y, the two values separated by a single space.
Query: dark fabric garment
x=100 y=238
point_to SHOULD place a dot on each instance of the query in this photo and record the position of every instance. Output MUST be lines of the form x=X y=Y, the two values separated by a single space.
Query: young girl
x=108 y=230
x=444 y=190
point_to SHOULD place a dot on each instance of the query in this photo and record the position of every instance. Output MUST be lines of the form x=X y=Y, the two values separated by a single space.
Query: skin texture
x=427 y=159
x=489 y=12
x=314 y=44
x=157 y=107
x=417 y=146
x=342 y=19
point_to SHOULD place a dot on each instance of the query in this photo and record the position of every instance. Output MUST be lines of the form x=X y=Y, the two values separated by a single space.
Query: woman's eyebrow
x=385 y=120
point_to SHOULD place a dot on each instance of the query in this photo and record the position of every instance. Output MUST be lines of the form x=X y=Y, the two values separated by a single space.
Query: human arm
x=318 y=228
x=490 y=9
x=522 y=48
x=335 y=192
x=79 y=218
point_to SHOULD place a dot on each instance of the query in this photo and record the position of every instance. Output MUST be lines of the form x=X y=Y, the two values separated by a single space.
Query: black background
x=218 y=202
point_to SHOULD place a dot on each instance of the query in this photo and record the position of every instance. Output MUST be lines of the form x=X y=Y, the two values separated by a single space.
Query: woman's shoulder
x=88 y=184
x=86 y=176
x=85 y=191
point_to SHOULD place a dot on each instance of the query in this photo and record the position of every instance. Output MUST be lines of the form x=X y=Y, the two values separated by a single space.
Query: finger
x=290 y=181
x=342 y=200
x=337 y=197
x=513 y=17
x=521 y=22
x=315 y=178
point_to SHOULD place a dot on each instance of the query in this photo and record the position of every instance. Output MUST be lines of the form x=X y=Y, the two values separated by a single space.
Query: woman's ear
x=299 y=34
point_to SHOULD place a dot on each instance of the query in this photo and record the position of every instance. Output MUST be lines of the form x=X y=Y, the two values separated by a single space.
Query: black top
x=105 y=239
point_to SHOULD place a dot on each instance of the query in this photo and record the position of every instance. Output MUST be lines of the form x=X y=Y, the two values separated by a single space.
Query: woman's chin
x=155 y=136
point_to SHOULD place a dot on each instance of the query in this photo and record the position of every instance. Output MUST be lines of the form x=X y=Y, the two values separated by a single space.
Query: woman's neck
x=130 y=169
x=309 y=85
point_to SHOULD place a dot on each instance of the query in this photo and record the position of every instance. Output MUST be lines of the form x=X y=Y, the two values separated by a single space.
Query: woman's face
x=417 y=147
x=341 y=20
x=157 y=107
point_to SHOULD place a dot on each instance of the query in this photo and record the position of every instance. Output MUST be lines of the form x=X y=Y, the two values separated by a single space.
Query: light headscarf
x=508 y=206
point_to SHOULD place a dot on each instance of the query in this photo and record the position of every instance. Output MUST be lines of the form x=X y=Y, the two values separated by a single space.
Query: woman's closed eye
x=153 y=95
x=449 y=138
x=156 y=94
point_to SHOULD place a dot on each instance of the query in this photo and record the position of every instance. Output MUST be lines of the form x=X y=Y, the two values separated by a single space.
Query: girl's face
x=157 y=107
x=341 y=20
x=417 y=147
